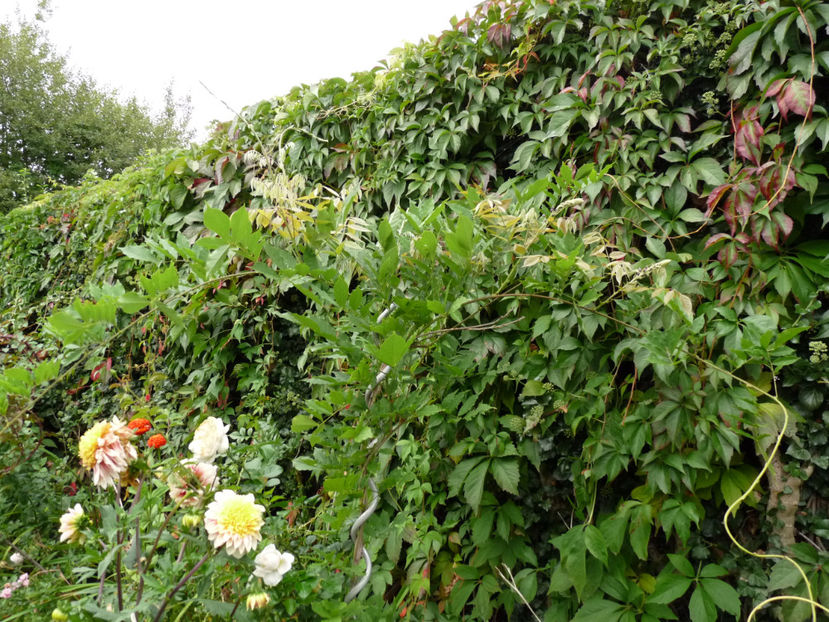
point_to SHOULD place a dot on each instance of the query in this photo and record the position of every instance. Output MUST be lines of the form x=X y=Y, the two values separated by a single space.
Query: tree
x=55 y=124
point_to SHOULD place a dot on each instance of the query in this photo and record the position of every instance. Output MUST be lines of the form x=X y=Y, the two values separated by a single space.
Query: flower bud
x=257 y=601
x=59 y=616
x=190 y=521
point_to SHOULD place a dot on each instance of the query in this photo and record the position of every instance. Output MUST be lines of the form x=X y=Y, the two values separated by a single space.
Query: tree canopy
x=56 y=124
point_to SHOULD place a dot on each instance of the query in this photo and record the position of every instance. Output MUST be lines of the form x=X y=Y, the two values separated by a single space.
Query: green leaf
x=784 y=575
x=240 y=227
x=473 y=486
x=341 y=292
x=302 y=423
x=482 y=526
x=459 y=474
x=132 y=302
x=682 y=564
x=595 y=541
x=393 y=349
x=459 y=241
x=701 y=608
x=724 y=596
x=599 y=609
x=709 y=170
x=16 y=380
x=614 y=527
x=45 y=371
x=217 y=221
x=141 y=253
x=669 y=587
x=506 y=473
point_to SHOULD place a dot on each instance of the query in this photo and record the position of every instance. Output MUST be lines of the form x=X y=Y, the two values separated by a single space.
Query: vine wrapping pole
x=356 y=528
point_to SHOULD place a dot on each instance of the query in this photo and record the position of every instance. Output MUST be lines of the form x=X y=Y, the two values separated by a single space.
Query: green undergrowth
x=555 y=281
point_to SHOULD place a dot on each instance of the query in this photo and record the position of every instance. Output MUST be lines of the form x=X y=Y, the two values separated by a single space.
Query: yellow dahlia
x=106 y=449
x=233 y=521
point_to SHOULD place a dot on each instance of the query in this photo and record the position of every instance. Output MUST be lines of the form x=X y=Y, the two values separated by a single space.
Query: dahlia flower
x=233 y=521
x=271 y=565
x=189 y=487
x=106 y=449
x=257 y=601
x=69 y=531
x=210 y=440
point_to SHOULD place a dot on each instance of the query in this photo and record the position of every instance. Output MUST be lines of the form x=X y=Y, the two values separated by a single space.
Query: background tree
x=56 y=124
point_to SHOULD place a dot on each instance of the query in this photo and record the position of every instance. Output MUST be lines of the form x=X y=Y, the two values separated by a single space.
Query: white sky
x=243 y=50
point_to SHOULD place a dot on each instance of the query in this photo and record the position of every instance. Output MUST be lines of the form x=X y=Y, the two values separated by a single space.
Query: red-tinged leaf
x=768 y=232
x=730 y=214
x=727 y=255
x=770 y=183
x=714 y=198
x=96 y=372
x=775 y=87
x=784 y=223
x=744 y=197
x=583 y=94
x=717 y=237
x=798 y=97
x=748 y=136
x=499 y=34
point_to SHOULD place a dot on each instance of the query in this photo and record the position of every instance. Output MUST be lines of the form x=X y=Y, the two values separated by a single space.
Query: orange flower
x=139 y=426
x=156 y=441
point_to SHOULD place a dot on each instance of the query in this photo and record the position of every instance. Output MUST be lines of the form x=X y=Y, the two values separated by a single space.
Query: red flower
x=139 y=426
x=156 y=441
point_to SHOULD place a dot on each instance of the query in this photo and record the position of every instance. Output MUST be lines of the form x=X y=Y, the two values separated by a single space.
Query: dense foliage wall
x=554 y=281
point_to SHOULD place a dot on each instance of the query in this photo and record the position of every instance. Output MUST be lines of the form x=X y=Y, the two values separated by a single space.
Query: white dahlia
x=210 y=440
x=271 y=565
x=233 y=521
x=69 y=528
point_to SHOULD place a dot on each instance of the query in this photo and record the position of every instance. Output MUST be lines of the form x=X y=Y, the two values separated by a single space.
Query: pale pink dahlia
x=189 y=486
x=106 y=449
x=233 y=521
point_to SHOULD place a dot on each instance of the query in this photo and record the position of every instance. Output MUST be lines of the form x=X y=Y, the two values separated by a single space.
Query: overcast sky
x=243 y=50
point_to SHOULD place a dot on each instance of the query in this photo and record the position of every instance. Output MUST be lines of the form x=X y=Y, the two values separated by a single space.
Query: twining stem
x=180 y=584
x=152 y=552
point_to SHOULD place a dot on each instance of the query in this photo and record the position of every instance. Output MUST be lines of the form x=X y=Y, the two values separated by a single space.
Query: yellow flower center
x=88 y=444
x=240 y=517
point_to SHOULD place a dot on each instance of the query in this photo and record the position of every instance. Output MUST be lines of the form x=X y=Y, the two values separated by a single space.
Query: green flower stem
x=180 y=584
x=152 y=552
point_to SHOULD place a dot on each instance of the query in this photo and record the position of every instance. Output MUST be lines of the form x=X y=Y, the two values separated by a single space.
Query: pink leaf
x=798 y=97
x=714 y=198
x=745 y=195
x=748 y=135
x=717 y=237
x=775 y=87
